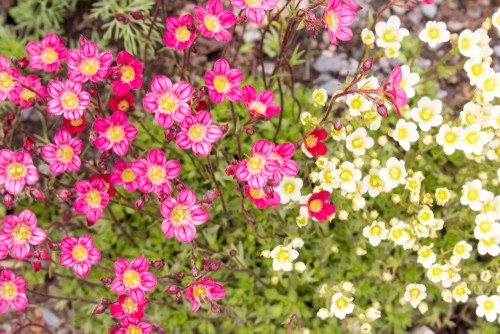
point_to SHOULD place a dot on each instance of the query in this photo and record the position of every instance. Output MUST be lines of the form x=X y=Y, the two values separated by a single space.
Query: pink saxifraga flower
x=16 y=170
x=313 y=142
x=19 y=232
x=121 y=103
x=4 y=250
x=10 y=88
x=255 y=9
x=134 y=326
x=87 y=64
x=67 y=99
x=204 y=290
x=318 y=207
x=124 y=175
x=179 y=35
x=46 y=55
x=393 y=91
x=12 y=291
x=168 y=102
x=198 y=133
x=131 y=73
x=92 y=199
x=223 y=82
x=114 y=134
x=79 y=254
x=133 y=278
x=64 y=154
x=260 y=105
x=283 y=153
x=261 y=199
x=214 y=21
x=33 y=89
x=337 y=19
x=259 y=167
x=125 y=307
x=75 y=126
x=108 y=187
x=182 y=215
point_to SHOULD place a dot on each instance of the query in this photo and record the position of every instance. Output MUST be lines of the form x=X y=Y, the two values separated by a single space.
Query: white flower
x=283 y=257
x=366 y=328
x=486 y=225
x=473 y=139
x=372 y=313
x=450 y=275
x=488 y=307
x=368 y=37
x=461 y=292
x=392 y=51
x=357 y=104
x=428 y=113
x=468 y=43
x=471 y=114
x=320 y=96
x=323 y=314
x=426 y=216
x=447 y=295
x=426 y=256
x=375 y=233
x=390 y=32
x=327 y=179
x=348 y=175
x=289 y=189
x=414 y=294
x=489 y=245
x=492 y=204
x=449 y=138
x=341 y=305
x=300 y=267
x=408 y=80
x=400 y=233
x=442 y=196
x=394 y=173
x=495 y=117
x=435 y=273
x=338 y=135
x=368 y=83
x=373 y=182
x=476 y=69
x=405 y=133
x=490 y=84
x=297 y=243
x=358 y=142
x=434 y=33
x=495 y=20
x=462 y=249
x=473 y=195
x=484 y=42
x=493 y=152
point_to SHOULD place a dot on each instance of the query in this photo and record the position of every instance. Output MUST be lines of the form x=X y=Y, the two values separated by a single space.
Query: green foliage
x=11 y=43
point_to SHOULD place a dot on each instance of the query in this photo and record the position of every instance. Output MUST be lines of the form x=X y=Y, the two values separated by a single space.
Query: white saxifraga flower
x=394 y=173
x=390 y=33
x=289 y=189
x=471 y=114
x=327 y=179
x=414 y=294
x=348 y=175
x=435 y=273
x=473 y=195
x=400 y=233
x=341 y=305
x=300 y=267
x=358 y=104
x=375 y=233
x=373 y=313
x=486 y=225
x=408 y=80
x=495 y=117
x=405 y=133
x=283 y=257
x=426 y=256
x=492 y=204
x=434 y=33
x=373 y=183
x=476 y=69
x=392 y=51
x=468 y=43
x=489 y=245
x=461 y=292
x=462 y=249
x=474 y=140
x=426 y=216
x=368 y=37
x=442 y=196
x=488 y=307
x=484 y=42
x=450 y=138
x=493 y=152
x=358 y=142
x=297 y=243
x=323 y=314
x=450 y=275
x=320 y=96
x=490 y=85
x=428 y=113
x=495 y=20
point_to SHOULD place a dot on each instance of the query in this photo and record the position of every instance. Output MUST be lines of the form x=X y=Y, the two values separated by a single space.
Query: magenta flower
x=92 y=199
x=131 y=73
x=9 y=85
x=11 y=291
x=20 y=232
x=115 y=133
x=87 y=64
x=214 y=21
x=168 y=102
x=134 y=326
x=125 y=307
x=46 y=55
x=155 y=171
x=79 y=254
x=4 y=250
x=124 y=175
x=63 y=155
x=133 y=278
x=179 y=35
x=35 y=86
x=259 y=105
x=393 y=91
x=223 y=82
x=255 y=9
x=182 y=215
x=204 y=290
x=259 y=167
x=261 y=199
x=198 y=133
x=337 y=20
x=16 y=170
x=67 y=99
x=318 y=207
x=283 y=155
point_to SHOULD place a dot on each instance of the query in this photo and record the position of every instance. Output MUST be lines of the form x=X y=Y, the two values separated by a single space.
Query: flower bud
x=158 y=264
x=101 y=307
x=36 y=194
x=106 y=280
x=337 y=126
x=250 y=131
x=215 y=308
x=141 y=201
x=233 y=252
x=37 y=265
x=214 y=266
x=173 y=289
x=201 y=105
x=8 y=199
x=122 y=18
x=224 y=128
x=229 y=170
x=53 y=245
x=180 y=275
x=194 y=272
x=158 y=329
x=113 y=328
x=63 y=195
x=29 y=144
x=138 y=16
x=382 y=109
x=367 y=65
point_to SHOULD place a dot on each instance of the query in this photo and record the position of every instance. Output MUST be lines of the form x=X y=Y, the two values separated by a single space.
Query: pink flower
x=182 y=215
x=87 y=63
x=206 y=290
x=46 y=55
x=32 y=81
x=125 y=307
x=317 y=206
x=20 y=232
x=124 y=175
x=92 y=199
x=168 y=103
x=75 y=126
x=313 y=141
x=223 y=82
x=283 y=155
x=63 y=155
x=393 y=91
x=79 y=254
x=4 y=250
x=115 y=133
x=215 y=20
x=9 y=85
x=259 y=105
x=337 y=20
x=198 y=132
x=261 y=199
x=155 y=171
x=259 y=167
x=110 y=190
x=131 y=73
x=255 y=9
x=178 y=33
x=121 y=103
x=11 y=291
x=67 y=99
x=134 y=326
x=133 y=278
x=354 y=5
x=16 y=170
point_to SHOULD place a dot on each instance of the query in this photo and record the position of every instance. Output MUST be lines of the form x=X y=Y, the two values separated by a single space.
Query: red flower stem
x=290 y=323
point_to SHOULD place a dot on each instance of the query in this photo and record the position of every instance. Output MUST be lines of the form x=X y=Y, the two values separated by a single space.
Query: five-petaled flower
x=16 y=170
x=115 y=133
x=12 y=291
x=255 y=9
x=261 y=198
x=33 y=89
x=131 y=73
x=46 y=55
x=125 y=307
x=204 y=290
x=67 y=99
x=223 y=82
x=87 y=64
x=260 y=167
x=124 y=175
x=179 y=34
x=121 y=103
x=337 y=19
x=79 y=254
x=134 y=326
x=92 y=199
x=64 y=154
x=19 y=232
x=318 y=207
x=10 y=88
x=313 y=142
x=214 y=21
x=260 y=105
x=198 y=133
x=133 y=278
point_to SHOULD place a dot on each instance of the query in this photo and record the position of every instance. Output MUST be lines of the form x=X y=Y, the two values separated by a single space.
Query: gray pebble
x=50 y=318
x=429 y=11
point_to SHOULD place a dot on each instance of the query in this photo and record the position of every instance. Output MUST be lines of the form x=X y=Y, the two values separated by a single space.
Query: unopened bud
x=233 y=252
x=8 y=199
x=37 y=265
x=194 y=272
x=29 y=144
x=141 y=201
x=101 y=307
x=158 y=329
x=53 y=245
x=214 y=266
x=215 y=308
x=159 y=264
x=382 y=109
x=63 y=195
x=173 y=289
x=250 y=131
x=138 y=15
x=224 y=128
x=180 y=275
x=122 y=18
x=229 y=170
x=367 y=65
x=337 y=126
x=106 y=280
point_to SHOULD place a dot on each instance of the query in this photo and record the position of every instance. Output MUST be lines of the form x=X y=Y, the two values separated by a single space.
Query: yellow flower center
x=27 y=94
x=197 y=132
x=434 y=33
x=21 y=233
x=472 y=194
x=289 y=187
x=89 y=66
x=257 y=193
x=283 y=255
x=425 y=253
x=332 y=20
x=180 y=214
x=132 y=329
x=258 y=107
x=115 y=133
x=8 y=290
x=182 y=34
x=375 y=230
x=341 y=303
x=131 y=279
x=129 y=306
x=465 y=43
x=212 y=23
x=253 y=3
x=69 y=100
x=397 y=233
x=128 y=73
x=356 y=103
x=167 y=103
x=316 y=205
x=450 y=137
x=255 y=164
x=128 y=175
x=485 y=226
x=6 y=81
x=488 y=305
x=425 y=215
x=460 y=292
x=49 y=56
x=489 y=85
x=77 y=122
x=346 y=175
x=426 y=114
x=395 y=173
x=389 y=36
x=16 y=170
x=489 y=242
x=199 y=291
x=80 y=253
x=375 y=181
x=94 y=198
x=357 y=143
x=221 y=84
x=414 y=293
x=460 y=249
x=477 y=69
x=64 y=154
x=123 y=105
x=311 y=141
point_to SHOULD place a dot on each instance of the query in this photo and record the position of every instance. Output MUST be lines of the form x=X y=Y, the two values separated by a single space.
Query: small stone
x=50 y=318
x=474 y=13
x=429 y=11
x=456 y=25
x=415 y=16
x=30 y=114
x=251 y=36
x=332 y=86
x=323 y=77
x=327 y=64
x=422 y=330
x=268 y=67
